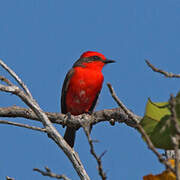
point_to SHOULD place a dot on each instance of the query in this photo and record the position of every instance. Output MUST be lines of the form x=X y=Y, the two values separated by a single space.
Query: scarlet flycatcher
x=81 y=87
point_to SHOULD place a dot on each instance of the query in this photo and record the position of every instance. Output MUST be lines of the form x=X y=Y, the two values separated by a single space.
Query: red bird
x=81 y=87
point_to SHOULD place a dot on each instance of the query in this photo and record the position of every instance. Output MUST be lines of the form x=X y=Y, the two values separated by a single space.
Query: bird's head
x=92 y=59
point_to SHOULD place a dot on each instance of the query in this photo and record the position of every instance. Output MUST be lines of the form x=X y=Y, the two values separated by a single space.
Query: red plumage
x=81 y=87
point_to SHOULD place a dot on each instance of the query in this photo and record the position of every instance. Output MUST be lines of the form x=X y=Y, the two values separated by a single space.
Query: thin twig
x=141 y=130
x=166 y=74
x=9 y=178
x=118 y=101
x=7 y=81
x=51 y=130
x=49 y=173
x=15 y=76
x=23 y=125
x=102 y=174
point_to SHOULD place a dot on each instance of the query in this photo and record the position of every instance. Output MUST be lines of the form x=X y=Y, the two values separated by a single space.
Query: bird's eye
x=95 y=57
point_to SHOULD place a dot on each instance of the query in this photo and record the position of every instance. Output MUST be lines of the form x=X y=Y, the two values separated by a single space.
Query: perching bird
x=81 y=87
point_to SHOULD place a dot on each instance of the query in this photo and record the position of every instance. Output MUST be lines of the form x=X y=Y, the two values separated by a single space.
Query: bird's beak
x=107 y=61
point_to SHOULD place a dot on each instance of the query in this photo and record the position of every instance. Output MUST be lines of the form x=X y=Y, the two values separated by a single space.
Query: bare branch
x=118 y=101
x=102 y=174
x=166 y=74
x=175 y=141
x=172 y=103
x=9 y=178
x=115 y=115
x=122 y=114
x=49 y=173
x=153 y=149
x=176 y=137
x=9 y=89
x=51 y=130
x=16 y=111
x=141 y=130
x=7 y=81
x=15 y=76
x=23 y=125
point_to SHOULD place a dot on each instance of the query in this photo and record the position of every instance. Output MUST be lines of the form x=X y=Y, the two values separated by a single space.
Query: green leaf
x=157 y=123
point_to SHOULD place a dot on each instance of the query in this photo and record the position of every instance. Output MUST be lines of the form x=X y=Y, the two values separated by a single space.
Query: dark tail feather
x=69 y=136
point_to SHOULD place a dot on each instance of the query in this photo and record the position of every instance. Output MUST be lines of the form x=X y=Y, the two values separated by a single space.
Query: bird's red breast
x=81 y=87
x=84 y=86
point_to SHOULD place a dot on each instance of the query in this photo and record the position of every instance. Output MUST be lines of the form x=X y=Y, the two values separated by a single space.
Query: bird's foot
x=68 y=116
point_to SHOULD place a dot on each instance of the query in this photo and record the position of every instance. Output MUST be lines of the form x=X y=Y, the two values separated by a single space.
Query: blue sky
x=40 y=40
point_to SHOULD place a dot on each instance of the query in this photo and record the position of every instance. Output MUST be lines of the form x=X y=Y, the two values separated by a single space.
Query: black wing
x=64 y=90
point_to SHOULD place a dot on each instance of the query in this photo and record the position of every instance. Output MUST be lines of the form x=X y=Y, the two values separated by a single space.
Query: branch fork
x=121 y=114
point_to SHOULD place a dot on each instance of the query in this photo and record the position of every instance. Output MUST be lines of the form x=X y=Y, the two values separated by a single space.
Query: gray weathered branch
x=141 y=130
x=49 y=173
x=109 y=115
x=27 y=98
x=166 y=74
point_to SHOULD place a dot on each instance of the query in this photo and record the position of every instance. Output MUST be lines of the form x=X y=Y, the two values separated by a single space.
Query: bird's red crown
x=92 y=53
